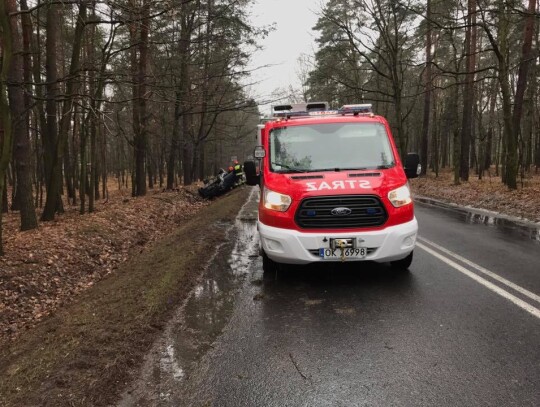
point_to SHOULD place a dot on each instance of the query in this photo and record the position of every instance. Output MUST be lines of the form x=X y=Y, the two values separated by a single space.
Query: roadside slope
x=83 y=354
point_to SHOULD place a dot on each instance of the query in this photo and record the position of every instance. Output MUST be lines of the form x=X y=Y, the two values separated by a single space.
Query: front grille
x=316 y=213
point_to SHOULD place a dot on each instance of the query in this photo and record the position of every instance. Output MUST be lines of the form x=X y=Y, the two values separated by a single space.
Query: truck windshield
x=330 y=147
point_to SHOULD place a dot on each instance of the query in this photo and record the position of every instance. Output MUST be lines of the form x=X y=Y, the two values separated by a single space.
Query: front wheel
x=269 y=265
x=402 y=264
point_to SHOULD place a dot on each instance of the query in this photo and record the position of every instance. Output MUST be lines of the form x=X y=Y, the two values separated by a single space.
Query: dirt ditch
x=88 y=351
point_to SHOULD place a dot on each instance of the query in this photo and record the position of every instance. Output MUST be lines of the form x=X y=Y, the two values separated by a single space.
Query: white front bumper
x=293 y=247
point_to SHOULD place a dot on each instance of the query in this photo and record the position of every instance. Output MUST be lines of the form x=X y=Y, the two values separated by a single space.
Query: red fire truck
x=333 y=188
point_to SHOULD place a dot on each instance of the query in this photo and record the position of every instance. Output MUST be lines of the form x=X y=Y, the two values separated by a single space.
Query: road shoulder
x=88 y=351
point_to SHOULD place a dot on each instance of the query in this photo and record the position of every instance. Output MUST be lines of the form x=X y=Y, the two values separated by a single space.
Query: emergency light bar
x=282 y=108
x=301 y=107
x=319 y=109
x=360 y=108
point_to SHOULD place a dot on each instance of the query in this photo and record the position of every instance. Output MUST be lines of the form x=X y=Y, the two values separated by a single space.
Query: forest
x=458 y=80
x=147 y=94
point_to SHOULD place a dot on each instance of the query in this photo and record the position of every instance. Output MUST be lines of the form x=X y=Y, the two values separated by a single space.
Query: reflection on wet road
x=356 y=334
x=200 y=321
x=507 y=225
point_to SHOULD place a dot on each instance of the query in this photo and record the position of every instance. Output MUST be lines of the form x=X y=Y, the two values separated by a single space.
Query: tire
x=250 y=172
x=271 y=267
x=249 y=166
x=403 y=264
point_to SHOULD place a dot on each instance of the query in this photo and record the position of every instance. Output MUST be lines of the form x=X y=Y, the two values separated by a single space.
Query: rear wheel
x=402 y=264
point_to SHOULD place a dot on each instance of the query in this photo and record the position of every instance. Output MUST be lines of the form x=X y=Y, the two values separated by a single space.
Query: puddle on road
x=531 y=232
x=204 y=315
x=210 y=305
x=528 y=230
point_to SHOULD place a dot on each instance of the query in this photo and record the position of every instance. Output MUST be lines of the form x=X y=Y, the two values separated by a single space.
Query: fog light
x=273 y=245
x=408 y=241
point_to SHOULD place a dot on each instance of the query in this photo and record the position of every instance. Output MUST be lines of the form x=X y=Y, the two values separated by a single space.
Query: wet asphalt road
x=360 y=334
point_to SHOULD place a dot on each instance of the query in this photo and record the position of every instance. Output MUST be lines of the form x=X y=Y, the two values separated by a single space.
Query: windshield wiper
x=385 y=167
x=338 y=169
x=289 y=168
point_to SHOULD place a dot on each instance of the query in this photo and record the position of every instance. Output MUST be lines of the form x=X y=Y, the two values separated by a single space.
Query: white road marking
x=483 y=270
x=496 y=289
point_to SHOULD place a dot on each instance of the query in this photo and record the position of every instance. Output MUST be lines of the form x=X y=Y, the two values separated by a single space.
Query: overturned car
x=222 y=183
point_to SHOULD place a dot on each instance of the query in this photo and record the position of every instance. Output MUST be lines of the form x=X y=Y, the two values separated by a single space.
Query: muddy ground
x=87 y=352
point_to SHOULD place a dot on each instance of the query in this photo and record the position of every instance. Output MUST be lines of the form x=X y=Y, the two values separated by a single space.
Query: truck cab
x=333 y=188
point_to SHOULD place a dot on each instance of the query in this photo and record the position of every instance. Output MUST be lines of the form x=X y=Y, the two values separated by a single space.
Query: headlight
x=276 y=201
x=400 y=197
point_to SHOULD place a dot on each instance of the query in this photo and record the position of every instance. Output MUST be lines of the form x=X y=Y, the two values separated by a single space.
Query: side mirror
x=250 y=170
x=412 y=165
x=259 y=152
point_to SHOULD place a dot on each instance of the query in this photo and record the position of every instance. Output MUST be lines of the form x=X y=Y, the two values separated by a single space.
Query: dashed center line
x=489 y=285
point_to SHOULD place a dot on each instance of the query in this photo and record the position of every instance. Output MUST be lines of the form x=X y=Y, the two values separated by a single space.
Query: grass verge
x=86 y=353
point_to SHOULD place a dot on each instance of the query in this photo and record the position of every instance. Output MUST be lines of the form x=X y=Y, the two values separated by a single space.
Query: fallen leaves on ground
x=488 y=193
x=44 y=269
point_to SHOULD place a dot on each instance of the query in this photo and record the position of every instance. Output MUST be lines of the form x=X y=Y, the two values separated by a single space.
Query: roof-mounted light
x=301 y=107
x=282 y=108
x=317 y=106
x=289 y=115
x=289 y=111
x=365 y=108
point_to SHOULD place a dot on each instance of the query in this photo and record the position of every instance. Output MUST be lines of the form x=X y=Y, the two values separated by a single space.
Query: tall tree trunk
x=93 y=119
x=175 y=141
x=202 y=160
x=53 y=176
x=468 y=97
x=139 y=112
x=19 y=109
x=509 y=140
x=133 y=31
x=187 y=151
x=93 y=165
x=96 y=89
x=427 y=95
x=184 y=86
x=69 y=160
x=83 y=173
x=526 y=57
x=71 y=89
x=6 y=140
x=35 y=45
x=104 y=165
x=490 y=132
x=435 y=156
x=5 y=195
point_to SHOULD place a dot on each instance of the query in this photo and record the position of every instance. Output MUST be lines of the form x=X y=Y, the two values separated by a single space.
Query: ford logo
x=341 y=211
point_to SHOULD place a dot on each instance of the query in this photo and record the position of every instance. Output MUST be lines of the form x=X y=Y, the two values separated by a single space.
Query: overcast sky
x=293 y=35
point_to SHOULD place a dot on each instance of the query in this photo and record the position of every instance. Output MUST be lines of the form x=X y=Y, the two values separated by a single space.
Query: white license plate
x=350 y=253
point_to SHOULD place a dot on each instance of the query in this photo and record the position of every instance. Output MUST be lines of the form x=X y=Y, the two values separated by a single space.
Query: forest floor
x=110 y=281
x=45 y=269
x=82 y=298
